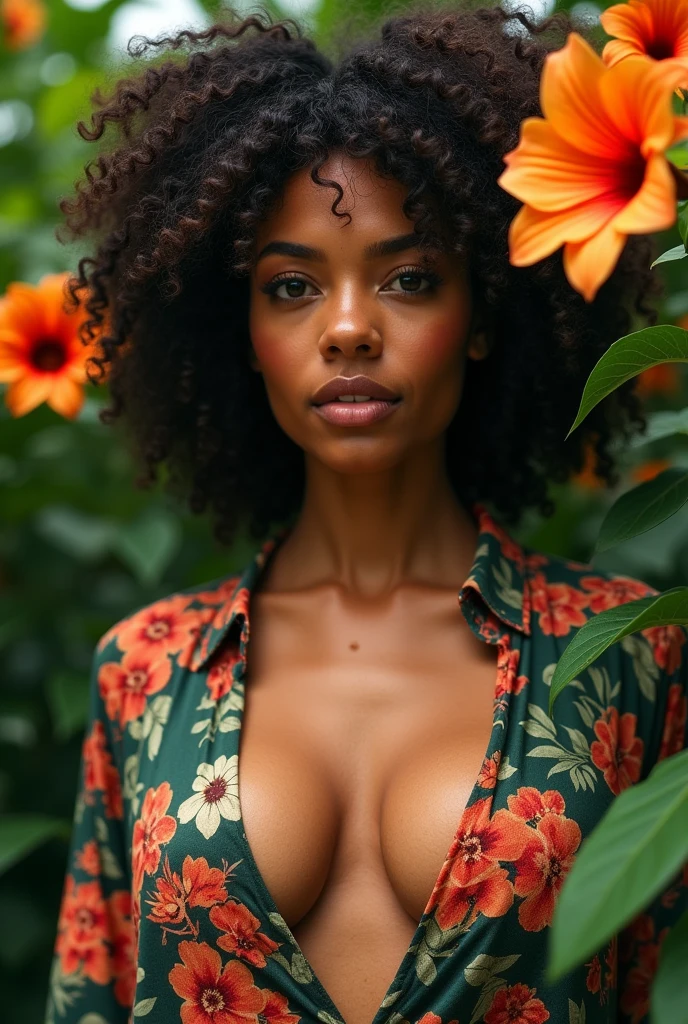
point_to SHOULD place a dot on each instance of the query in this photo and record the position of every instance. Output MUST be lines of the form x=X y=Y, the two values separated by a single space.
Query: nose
x=350 y=331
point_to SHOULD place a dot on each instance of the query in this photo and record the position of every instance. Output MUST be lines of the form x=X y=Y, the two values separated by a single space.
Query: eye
x=415 y=281
x=294 y=287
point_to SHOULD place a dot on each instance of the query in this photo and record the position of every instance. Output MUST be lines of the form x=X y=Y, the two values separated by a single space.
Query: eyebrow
x=376 y=250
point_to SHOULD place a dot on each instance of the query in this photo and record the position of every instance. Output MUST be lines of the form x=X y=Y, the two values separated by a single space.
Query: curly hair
x=207 y=138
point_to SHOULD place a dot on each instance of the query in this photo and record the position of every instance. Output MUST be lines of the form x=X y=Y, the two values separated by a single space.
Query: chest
x=363 y=734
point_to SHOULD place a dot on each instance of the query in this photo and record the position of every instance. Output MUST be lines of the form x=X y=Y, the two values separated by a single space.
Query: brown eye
x=287 y=288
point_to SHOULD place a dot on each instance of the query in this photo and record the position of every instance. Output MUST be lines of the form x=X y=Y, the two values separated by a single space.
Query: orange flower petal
x=66 y=397
x=549 y=174
x=588 y=264
x=534 y=234
x=653 y=208
x=21 y=312
x=636 y=95
x=631 y=22
x=25 y=394
x=570 y=100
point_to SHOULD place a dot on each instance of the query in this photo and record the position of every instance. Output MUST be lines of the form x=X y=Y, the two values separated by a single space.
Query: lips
x=359 y=385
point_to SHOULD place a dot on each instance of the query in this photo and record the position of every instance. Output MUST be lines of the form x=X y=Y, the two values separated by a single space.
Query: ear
x=479 y=345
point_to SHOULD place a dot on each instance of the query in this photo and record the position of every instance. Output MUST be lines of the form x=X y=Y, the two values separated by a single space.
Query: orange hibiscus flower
x=532 y=805
x=88 y=857
x=593 y=170
x=198 y=886
x=657 y=29
x=276 y=1009
x=100 y=773
x=23 y=22
x=151 y=829
x=161 y=628
x=211 y=994
x=516 y=1004
x=41 y=355
x=124 y=685
x=483 y=841
x=559 y=606
x=666 y=642
x=82 y=931
x=542 y=868
x=604 y=593
x=122 y=938
x=491 y=895
x=674 y=722
x=242 y=938
x=617 y=751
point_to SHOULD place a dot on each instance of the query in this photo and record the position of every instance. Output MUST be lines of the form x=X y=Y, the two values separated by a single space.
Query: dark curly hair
x=207 y=139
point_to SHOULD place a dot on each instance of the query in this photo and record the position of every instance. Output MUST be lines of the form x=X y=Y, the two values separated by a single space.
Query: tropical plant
x=604 y=162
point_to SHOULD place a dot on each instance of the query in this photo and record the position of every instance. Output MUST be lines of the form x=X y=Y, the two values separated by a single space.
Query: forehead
x=373 y=203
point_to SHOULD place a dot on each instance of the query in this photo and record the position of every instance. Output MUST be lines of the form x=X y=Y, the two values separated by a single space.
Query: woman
x=314 y=324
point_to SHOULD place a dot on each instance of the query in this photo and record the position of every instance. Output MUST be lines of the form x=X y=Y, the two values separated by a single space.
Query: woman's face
x=332 y=297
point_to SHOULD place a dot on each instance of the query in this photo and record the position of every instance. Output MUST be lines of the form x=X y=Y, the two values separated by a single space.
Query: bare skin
x=368 y=699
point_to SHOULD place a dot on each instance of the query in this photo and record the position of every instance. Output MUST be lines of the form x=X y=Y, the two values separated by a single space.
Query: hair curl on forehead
x=205 y=141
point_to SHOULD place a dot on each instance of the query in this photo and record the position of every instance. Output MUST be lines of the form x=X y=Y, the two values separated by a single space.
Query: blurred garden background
x=80 y=545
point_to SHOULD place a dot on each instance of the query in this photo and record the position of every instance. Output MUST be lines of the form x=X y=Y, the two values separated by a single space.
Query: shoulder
x=565 y=594
x=170 y=625
x=642 y=680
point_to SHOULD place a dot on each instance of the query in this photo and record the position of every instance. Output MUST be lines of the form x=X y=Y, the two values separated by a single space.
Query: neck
x=372 y=532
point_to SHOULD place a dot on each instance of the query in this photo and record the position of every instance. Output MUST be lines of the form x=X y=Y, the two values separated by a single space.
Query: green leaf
x=645 y=506
x=631 y=854
x=669 y=993
x=683 y=215
x=606 y=628
x=677 y=253
x=628 y=357
x=148 y=545
x=67 y=694
x=662 y=424
x=22 y=833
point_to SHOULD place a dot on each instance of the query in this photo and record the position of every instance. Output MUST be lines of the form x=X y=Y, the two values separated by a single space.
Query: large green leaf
x=605 y=628
x=669 y=995
x=645 y=506
x=21 y=833
x=628 y=858
x=628 y=357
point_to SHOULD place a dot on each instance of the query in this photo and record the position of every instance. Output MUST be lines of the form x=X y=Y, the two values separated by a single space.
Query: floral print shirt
x=165 y=915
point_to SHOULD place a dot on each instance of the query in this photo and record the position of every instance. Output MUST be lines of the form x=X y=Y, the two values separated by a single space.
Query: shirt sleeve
x=640 y=942
x=93 y=967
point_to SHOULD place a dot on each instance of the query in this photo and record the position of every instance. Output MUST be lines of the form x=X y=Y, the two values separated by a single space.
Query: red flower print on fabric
x=162 y=628
x=220 y=677
x=491 y=895
x=666 y=642
x=617 y=751
x=124 y=686
x=542 y=868
x=516 y=1004
x=532 y=805
x=483 y=841
x=198 y=886
x=83 y=929
x=276 y=1009
x=673 y=735
x=242 y=938
x=432 y=1018
x=122 y=938
x=88 y=858
x=100 y=774
x=593 y=982
x=604 y=594
x=559 y=605
x=487 y=776
x=151 y=829
x=213 y=994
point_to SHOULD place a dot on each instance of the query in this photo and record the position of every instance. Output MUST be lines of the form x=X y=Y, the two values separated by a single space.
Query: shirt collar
x=497 y=584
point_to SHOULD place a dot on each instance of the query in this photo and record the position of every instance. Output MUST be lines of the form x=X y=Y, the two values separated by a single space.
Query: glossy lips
x=380 y=401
